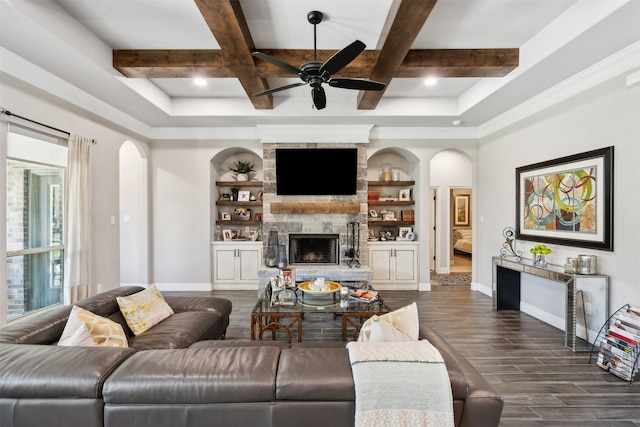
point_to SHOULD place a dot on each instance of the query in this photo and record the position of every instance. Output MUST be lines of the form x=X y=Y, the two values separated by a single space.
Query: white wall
x=181 y=180
x=104 y=181
x=608 y=115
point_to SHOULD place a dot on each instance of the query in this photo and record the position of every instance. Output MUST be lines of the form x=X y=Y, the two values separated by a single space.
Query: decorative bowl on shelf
x=331 y=287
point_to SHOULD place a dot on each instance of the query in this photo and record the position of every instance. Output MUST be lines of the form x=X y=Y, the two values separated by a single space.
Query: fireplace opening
x=314 y=249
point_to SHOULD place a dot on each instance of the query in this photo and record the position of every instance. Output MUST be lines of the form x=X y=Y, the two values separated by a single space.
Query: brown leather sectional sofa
x=182 y=374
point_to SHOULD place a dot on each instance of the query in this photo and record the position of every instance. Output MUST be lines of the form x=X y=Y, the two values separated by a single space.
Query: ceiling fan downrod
x=314 y=17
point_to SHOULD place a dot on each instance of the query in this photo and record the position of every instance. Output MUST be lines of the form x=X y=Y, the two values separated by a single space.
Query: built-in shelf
x=238 y=203
x=391 y=202
x=391 y=223
x=391 y=183
x=239 y=183
x=232 y=222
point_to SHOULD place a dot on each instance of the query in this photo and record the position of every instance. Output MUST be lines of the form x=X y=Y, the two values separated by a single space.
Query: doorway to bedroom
x=461 y=230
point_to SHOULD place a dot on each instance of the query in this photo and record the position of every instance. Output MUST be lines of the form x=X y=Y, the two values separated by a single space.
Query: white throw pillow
x=399 y=325
x=144 y=309
x=87 y=329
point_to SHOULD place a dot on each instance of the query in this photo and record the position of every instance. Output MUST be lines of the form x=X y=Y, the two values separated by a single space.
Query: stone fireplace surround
x=323 y=215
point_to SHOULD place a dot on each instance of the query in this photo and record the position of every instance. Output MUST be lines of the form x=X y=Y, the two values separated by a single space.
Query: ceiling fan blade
x=278 y=89
x=356 y=84
x=319 y=97
x=275 y=61
x=342 y=58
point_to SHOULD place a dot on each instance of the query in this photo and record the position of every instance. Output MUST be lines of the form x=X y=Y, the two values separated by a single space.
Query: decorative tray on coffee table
x=332 y=287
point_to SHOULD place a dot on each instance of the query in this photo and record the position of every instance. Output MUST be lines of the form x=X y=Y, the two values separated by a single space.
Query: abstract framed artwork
x=461 y=210
x=568 y=201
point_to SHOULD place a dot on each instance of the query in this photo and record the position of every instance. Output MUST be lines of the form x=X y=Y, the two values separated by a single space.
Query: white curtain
x=77 y=254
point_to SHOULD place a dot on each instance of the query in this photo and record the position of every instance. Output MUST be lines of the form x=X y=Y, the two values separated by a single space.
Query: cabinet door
x=380 y=260
x=405 y=264
x=225 y=263
x=249 y=263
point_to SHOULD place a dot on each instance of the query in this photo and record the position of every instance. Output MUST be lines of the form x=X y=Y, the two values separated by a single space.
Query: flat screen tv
x=316 y=171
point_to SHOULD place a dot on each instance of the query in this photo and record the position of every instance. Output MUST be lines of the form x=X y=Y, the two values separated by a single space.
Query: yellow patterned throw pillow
x=398 y=325
x=87 y=329
x=144 y=309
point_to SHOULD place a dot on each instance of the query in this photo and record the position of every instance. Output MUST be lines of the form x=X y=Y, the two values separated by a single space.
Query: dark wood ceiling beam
x=405 y=26
x=229 y=27
x=172 y=63
x=418 y=63
x=458 y=63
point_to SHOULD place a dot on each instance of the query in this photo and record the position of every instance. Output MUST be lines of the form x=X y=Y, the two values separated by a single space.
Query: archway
x=451 y=179
x=134 y=215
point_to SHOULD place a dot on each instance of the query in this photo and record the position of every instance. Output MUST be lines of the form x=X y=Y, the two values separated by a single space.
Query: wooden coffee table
x=265 y=317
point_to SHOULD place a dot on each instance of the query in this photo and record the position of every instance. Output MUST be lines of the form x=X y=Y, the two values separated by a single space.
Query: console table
x=593 y=306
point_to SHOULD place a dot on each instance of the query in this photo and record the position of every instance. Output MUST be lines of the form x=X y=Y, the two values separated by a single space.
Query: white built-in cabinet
x=394 y=265
x=235 y=265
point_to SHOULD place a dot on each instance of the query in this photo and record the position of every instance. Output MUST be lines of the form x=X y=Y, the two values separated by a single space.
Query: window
x=36 y=168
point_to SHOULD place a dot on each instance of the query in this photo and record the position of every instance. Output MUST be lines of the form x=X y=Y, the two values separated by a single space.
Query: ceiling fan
x=315 y=72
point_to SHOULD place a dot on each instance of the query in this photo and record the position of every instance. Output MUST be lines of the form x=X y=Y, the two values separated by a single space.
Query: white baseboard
x=176 y=287
x=487 y=290
x=551 y=319
x=235 y=287
x=424 y=287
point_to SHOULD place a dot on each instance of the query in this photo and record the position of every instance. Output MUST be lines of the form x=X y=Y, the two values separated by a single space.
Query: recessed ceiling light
x=430 y=81
x=199 y=81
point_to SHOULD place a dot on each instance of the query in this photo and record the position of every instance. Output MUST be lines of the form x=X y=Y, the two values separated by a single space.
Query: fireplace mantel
x=315 y=208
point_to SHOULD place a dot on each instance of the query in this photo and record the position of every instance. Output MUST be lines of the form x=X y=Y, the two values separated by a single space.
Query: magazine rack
x=615 y=352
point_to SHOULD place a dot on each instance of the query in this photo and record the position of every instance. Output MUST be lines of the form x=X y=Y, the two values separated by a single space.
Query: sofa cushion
x=99 y=330
x=314 y=374
x=195 y=376
x=45 y=371
x=144 y=309
x=399 y=325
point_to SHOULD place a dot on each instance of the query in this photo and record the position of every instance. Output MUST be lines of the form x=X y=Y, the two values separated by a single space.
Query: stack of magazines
x=620 y=345
x=363 y=295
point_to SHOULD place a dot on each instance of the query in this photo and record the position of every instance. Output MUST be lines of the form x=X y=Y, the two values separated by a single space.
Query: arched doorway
x=451 y=180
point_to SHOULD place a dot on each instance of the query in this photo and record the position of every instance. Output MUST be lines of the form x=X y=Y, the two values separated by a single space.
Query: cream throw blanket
x=400 y=384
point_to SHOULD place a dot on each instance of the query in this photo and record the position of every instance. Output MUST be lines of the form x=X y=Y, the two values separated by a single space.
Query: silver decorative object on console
x=508 y=247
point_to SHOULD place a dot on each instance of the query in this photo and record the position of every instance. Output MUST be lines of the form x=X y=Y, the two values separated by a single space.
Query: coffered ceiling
x=140 y=57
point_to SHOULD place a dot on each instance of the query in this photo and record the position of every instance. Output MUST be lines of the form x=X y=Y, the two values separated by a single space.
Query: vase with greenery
x=234 y=193
x=242 y=170
x=539 y=255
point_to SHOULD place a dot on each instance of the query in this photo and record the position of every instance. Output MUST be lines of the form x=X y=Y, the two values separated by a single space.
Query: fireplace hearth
x=314 y=249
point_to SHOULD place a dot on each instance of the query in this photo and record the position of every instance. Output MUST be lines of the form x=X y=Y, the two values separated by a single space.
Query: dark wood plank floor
x=543 y=383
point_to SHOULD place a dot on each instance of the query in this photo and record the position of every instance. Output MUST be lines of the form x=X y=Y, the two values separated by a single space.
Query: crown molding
x=314 y=133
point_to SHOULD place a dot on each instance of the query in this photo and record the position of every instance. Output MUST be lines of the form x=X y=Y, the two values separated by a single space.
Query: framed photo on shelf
x=225 y=216
x=225 y=197
x=404 y=195
x=567 y=201
x=257 y=216
x=244 y=196
x=242 y=214
x=373 y=213
x=235 y=233
x=461 y=210
x=404 y=233
x=227 y=235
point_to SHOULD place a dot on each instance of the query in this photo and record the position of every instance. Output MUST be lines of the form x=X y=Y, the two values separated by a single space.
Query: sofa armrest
x=181 y=303
x=482 y=402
